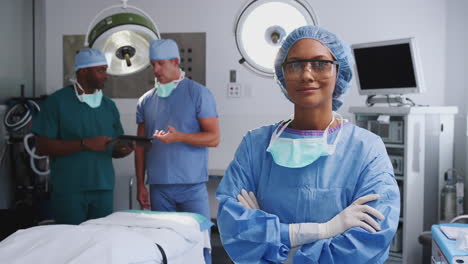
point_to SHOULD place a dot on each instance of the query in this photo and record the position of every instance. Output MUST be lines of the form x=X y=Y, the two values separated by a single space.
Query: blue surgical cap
x=338 y=48
x=164 y=49
x=89 y=58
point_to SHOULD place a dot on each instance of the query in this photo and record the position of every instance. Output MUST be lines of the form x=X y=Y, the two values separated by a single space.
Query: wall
x=456 y=79
x=40 y=47
x=355 y=21
x=6 y=185
x=16 y=46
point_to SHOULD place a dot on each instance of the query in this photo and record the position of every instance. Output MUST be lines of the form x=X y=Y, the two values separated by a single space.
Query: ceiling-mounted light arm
x=123 y=6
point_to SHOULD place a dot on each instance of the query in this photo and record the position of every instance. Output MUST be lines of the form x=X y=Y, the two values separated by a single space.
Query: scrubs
x=177 y=172
x=176 y=163
x=64 y=117
x=314 y=193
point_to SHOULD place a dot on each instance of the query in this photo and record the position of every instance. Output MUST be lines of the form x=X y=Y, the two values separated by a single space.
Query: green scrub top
x=64 y=117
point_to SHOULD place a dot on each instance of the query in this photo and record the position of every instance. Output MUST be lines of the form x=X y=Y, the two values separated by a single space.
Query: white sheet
x=178 y=234
x=452 y=231
x=78 y=244
x=118 y=238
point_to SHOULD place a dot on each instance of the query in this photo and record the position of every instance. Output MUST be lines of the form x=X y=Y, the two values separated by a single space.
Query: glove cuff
x=303 y=233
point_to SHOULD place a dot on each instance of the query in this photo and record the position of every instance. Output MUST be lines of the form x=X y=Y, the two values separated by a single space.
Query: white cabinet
x=419 y=141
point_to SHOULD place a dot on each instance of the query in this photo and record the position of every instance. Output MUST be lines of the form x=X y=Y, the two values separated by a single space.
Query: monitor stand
x=389 y=99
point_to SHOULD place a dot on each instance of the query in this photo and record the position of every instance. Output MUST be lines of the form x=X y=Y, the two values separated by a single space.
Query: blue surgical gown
x=314 y=193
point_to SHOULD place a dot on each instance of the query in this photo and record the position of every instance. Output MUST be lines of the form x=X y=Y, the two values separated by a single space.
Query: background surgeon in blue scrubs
x=181 y=115
x=314 y=188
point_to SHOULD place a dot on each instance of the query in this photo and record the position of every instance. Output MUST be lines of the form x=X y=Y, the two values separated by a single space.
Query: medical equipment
x=123 y=38
x=451 y=196
x=29 y=171
x=391 y=132
x=262 y=26
x=427 y=152
x=460 y=187
x=397 y=163
x=20 y=115
x=17 y=120
x=33 y=157
x=388 y=67
x=444 y=245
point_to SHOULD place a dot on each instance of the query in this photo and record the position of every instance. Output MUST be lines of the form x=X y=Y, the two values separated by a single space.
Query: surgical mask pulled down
x=164 y=90
x=93 y=100
x=300 y=152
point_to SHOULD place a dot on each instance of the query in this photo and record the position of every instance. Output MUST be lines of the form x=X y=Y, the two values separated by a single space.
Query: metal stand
x=400 y=100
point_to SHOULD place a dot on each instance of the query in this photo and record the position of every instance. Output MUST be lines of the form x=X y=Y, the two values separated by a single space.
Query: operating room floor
x=218 y=254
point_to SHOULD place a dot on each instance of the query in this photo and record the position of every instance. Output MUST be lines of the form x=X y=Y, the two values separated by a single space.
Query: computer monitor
x=388 y=67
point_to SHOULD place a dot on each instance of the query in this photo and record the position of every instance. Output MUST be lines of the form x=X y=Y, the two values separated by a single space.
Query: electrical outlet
x=234 y=90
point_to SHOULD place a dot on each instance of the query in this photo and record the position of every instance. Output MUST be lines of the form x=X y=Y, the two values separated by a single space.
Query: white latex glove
x=357 y=214
x=248 y=200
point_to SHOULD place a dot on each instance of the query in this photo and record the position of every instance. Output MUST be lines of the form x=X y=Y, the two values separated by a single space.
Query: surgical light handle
x=123 y=6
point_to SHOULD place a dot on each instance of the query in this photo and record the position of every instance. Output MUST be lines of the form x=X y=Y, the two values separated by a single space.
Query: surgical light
x=123 y=38
x=263 y=25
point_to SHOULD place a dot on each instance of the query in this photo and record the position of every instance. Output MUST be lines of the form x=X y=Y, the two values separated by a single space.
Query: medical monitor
x=388 y=67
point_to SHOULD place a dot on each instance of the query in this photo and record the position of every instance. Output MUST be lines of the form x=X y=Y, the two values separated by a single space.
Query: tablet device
x=127 y=140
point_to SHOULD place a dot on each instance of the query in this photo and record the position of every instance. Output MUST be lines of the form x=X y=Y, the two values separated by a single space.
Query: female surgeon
x=314 y=188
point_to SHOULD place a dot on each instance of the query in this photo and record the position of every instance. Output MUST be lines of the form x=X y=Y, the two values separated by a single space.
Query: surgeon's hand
x=96 y=143
x=143 y=197
x=248 y=200
x=167 y=137
x=357 y=214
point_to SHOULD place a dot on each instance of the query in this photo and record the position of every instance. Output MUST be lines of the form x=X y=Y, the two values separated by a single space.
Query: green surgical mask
x=93 y=100
x=300 y=152
x=164 y=90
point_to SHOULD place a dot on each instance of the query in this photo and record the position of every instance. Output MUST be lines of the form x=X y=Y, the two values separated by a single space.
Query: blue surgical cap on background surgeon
x=89 y=58
x=338 y=48
x=164 y=49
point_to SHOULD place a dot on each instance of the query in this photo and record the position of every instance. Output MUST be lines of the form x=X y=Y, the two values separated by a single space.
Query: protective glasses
x=320 y=69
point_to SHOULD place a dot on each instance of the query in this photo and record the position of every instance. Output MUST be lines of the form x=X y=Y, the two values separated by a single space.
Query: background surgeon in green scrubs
x=73 y=127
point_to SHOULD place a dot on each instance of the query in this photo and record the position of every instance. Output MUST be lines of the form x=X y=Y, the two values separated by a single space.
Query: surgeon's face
x=166 y=70
x=96 y=76
x=310 y=84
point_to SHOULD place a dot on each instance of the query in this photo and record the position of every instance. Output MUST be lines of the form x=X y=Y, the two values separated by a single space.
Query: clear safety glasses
x=320 y=69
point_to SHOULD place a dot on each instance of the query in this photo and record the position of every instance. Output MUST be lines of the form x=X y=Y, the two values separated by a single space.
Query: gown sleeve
x=248 y=235
x=357 y=245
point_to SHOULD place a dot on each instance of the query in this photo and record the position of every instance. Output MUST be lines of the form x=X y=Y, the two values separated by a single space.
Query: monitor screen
x=387 y=67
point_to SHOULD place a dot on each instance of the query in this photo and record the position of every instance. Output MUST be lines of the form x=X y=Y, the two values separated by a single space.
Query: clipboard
x=128 y=139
